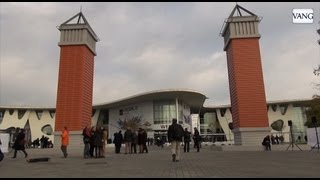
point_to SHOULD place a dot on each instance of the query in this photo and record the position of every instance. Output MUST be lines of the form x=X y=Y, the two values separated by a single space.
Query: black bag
x=86 y=140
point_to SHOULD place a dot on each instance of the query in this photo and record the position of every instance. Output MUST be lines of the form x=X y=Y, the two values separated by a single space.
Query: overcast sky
x=152 y=46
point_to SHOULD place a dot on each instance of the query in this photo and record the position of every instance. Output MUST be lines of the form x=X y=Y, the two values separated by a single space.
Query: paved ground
x=157 y=164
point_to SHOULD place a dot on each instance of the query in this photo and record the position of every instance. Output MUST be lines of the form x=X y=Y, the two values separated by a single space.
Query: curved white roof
x=193 y=98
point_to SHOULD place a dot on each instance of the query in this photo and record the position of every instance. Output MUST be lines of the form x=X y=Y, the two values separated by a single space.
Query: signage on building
x=161 y=126
x=127 y=110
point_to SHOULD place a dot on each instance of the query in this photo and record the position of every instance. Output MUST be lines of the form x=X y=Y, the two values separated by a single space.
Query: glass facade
x=210 y=128
x=103 y=119
x=298 y=128
x=1 y=115
x=164 y=111
x=47 y=129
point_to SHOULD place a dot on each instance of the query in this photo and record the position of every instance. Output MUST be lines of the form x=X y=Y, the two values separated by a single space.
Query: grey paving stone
x=207 y=163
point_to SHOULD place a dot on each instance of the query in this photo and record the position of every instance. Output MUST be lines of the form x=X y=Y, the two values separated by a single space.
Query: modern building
x=157 y=108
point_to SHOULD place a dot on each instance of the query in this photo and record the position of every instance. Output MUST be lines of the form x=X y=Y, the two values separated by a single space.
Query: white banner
x=4 y=137
x=311 y=134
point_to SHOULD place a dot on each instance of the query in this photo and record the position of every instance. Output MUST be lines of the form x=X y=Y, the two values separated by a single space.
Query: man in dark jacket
x=186 y=140
x=118 y=139
x=197 y=139
x=19 y=144
x=267 y=143
x=175 y=134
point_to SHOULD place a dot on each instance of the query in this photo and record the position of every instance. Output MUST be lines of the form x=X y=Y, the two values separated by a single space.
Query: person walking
x=175 y=134
x=19 y=144
x=64 y=141
x=196 y=139
x=186 y=140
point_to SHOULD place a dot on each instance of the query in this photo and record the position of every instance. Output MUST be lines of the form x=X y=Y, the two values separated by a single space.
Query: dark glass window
x=21 y=112
x=47 y=129
x=93 y=112
x=223 y=111
x=39 y=114
x=52 y=113
x=164 y=111
x=11 y=111
x=283 y=108
x=1 y=115
x=103 y=118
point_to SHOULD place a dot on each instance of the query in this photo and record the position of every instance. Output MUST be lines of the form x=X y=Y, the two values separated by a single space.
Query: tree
x=147 y=126
x=313 y=110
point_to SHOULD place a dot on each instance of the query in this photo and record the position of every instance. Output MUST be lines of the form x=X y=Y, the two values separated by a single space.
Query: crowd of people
x=134 y=141
x=131 y=140
x=95 y=139
x=43 y=142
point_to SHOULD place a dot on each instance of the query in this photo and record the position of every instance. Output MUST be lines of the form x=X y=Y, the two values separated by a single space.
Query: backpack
x=178 y=132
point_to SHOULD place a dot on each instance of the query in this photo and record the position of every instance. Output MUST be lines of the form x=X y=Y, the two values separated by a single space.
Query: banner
x=311 y=134
x=4 y=137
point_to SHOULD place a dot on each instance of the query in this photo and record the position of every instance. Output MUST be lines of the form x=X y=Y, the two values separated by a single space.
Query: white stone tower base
x=248 y=139
x=75 y=140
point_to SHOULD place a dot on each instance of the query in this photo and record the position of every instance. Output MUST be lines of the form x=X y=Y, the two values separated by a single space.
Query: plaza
x=208 y=163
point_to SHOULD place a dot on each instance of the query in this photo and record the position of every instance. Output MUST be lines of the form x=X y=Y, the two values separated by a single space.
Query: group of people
x=131 y=139
x=43 y=142
x=94 y=139
x=268 y=140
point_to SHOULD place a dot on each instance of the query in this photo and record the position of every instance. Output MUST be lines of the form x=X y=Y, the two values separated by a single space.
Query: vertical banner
x=4 y=137
x=311 y=134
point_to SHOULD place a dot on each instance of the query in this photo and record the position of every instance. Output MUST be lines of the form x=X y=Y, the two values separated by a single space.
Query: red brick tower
x=75 y=83
x=247 y=94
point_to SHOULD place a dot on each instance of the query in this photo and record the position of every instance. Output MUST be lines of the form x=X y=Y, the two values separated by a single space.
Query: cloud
x=148 y=46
